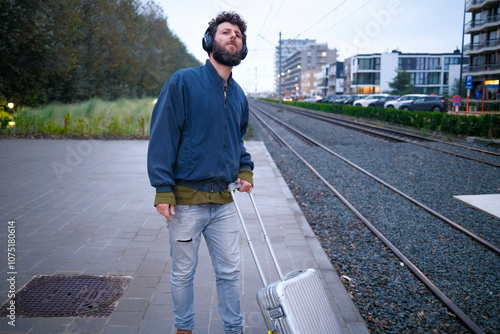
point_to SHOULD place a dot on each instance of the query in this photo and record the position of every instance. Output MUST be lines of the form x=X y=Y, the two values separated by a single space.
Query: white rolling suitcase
x=295 y=304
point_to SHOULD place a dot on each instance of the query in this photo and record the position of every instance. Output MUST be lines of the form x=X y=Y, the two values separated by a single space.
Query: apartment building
x=430 y=73
x=311 y=82
x=332 y=79
x=484 y=47
x=288 y=47
x=311 y=58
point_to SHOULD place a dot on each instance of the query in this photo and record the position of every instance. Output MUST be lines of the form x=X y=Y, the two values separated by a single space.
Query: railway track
x=394 y=135
x=279 y=139
x=308 y=139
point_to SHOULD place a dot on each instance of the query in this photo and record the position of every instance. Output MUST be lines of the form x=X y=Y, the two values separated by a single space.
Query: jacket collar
x=215 y=76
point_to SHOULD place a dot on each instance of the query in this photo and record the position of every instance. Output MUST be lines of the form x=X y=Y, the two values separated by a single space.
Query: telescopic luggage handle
x=232 y=188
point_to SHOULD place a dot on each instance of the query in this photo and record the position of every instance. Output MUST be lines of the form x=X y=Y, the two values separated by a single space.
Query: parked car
x=313 y=99
x=326 y=99
x=431 y=103
x=380 y=102
x=368 y=100
x=405 y=99
x=339 y=99
x=351 y=98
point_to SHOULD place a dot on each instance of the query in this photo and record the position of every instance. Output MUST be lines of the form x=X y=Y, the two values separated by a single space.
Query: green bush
x=91 y=118
x=5 y=119
x=478 y=105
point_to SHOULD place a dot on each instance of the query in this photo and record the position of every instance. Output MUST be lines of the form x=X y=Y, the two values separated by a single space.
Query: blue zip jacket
x=197 y=130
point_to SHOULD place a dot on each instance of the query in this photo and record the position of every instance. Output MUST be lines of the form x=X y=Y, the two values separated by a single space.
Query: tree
x=37 y=47
x=71 y=50
x=22 y=48
x=401 y=84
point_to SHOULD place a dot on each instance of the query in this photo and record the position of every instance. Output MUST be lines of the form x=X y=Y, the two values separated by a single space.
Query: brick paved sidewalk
x=85 y=208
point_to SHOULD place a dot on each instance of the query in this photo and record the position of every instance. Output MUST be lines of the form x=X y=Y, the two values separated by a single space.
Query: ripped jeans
x=220 y=228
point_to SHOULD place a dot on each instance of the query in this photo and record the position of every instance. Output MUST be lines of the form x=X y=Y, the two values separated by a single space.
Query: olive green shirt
x=182 y=195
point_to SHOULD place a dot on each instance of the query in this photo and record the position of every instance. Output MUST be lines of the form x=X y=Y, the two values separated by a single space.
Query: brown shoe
x=181 y=331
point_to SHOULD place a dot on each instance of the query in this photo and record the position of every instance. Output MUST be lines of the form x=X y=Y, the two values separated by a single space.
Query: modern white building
x=484 y=48
x=429 y=72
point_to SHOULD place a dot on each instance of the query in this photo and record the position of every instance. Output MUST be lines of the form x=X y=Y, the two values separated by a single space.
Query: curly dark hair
x=232 y=18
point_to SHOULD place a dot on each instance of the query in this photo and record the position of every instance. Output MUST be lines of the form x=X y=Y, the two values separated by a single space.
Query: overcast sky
x=412 y=26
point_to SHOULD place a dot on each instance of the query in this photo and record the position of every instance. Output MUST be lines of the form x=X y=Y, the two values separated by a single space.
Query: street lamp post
x=462 y=56
x=357 y=64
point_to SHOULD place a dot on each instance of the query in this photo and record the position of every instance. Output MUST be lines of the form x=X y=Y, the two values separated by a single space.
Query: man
x=195 y=150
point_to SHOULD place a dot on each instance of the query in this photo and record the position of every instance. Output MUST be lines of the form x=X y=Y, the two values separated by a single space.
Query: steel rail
x=475 y=237
x=468 y=323
x=467 y=147
x=382 y=132
x=331 y=116
x=402 y=133
x=408 y=197
x=272 y=133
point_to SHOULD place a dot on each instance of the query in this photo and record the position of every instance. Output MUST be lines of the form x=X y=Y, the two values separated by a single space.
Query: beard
x=224 y=57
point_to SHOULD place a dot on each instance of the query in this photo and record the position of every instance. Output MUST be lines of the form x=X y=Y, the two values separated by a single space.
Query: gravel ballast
x=388 y=295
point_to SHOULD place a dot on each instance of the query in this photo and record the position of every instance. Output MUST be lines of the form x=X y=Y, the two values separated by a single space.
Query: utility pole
x=279 y=74
x=355 y=78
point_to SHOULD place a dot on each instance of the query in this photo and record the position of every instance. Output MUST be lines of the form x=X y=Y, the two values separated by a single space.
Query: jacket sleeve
x=165 y=131
x=245 y=158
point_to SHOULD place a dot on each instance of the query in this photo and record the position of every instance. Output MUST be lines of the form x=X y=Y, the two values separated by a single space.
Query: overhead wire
x=275 y=15
x=259 y=35
x=365 y=3
x=345 y=18
x=262 y=27
x=267 y=16
x=324 y=17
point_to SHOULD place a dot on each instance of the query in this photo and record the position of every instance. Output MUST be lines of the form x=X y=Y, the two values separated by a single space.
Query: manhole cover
x=66 y=296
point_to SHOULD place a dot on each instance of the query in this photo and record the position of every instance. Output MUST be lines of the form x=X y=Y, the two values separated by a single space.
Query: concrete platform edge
x=349 y=311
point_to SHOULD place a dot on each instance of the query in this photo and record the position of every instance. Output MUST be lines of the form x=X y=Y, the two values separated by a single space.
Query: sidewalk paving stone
x=85 y=208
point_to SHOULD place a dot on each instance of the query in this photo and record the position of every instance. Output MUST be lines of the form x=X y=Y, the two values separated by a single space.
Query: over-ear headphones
x=208 y=43
x=245 y=52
